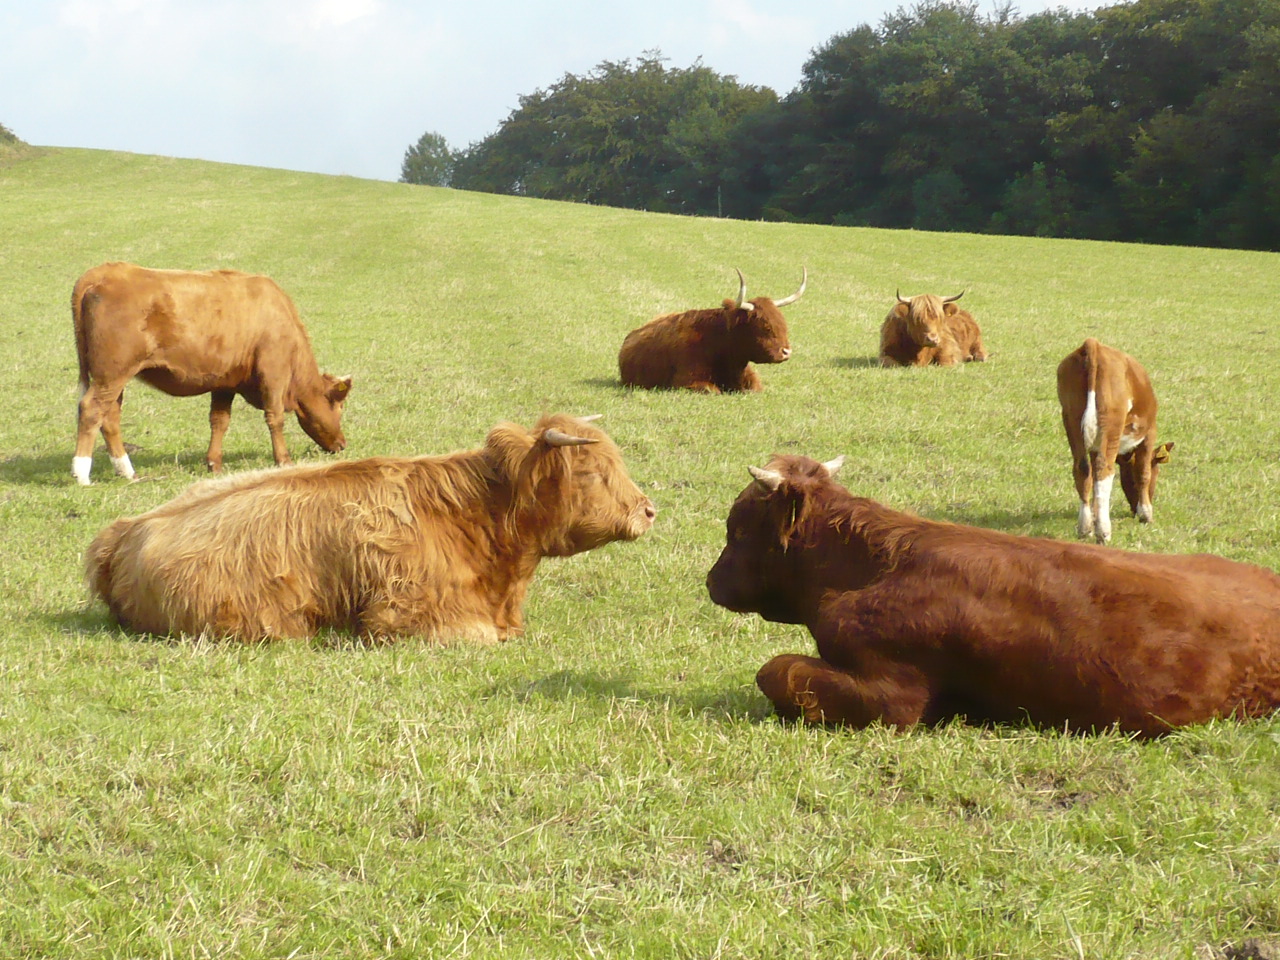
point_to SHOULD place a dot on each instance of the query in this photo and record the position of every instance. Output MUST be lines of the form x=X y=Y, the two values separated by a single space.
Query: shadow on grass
x=714 y=703
x=604 y=383
x=54 y=470
x=1016 y=521
x=855 y=363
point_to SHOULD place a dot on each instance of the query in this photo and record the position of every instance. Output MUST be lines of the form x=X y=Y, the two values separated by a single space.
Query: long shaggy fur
x=904 y=335
x=429 y=546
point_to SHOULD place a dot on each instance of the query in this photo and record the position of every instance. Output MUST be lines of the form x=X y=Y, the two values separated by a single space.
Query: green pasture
x=611 y=784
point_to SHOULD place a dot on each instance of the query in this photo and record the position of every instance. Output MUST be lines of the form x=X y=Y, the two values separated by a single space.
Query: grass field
x=611 y=784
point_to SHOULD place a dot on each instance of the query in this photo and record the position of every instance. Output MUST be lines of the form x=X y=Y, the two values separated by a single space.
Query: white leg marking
x=80 y=467
x=124 y=467
x=1084 y=526
x=1144 y=512
x=1102 y=502
x=1089 y=422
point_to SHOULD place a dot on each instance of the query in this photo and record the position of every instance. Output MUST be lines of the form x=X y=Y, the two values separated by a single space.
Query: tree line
x=1154 y=121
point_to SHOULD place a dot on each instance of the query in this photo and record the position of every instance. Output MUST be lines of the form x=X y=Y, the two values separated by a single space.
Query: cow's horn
x=769 y=479
x=804 y=279
x=558 y=438
x=953 y=299
x=742 y=302
x=833 y=466
x=589 y=418
x=901 y=299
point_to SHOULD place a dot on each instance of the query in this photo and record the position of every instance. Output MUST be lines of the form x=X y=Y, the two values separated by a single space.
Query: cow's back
x=650 y=355
x=186 y=332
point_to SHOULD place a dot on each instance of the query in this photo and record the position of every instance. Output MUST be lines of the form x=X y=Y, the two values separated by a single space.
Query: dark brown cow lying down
x=430 y=546
x=188 y=333
x=709 y=350
x=918 y=621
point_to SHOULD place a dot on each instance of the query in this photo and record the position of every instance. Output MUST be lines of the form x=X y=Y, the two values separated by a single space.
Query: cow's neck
x=848 y=543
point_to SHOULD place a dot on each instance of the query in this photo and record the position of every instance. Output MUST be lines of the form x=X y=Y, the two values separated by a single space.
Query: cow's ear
x=900 y=310
x=341 y=387
x=1161 y=453
x=950 y=309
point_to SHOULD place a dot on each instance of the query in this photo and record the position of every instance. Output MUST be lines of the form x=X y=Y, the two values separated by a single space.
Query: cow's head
x=569 y=489
x=1129 y=482
x=925 y=315
x=759 y=325
x=320 y=413
x=754 y=573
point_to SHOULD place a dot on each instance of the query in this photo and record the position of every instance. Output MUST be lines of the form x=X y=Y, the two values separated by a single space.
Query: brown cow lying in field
x=709 y=350
x=918 y=621
x=1109 y=412
x=929 y=329
x=188 y=333
x=429 y=546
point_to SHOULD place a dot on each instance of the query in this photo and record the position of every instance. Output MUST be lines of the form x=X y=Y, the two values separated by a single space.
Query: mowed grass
x=611 y=784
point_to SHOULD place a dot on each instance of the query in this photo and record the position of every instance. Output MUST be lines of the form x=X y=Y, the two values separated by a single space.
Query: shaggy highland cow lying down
x=435 y=547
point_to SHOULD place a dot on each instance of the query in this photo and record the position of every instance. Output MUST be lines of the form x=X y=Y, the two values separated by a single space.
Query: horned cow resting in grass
x=709 y=350
x=187 y=333
x=1109 y=412
x=929 y=329
x=431 y=546
x=919 y=621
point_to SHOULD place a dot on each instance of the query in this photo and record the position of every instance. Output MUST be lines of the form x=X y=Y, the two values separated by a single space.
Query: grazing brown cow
x=188 y=333
x=918 y=621
x=1109 y=412
x=430 y=546
x=709 y=350
x=929 y=329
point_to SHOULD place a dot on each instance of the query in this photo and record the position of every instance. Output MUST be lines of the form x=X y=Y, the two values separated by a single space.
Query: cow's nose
x=786 y=352
x=932 y=338
x=650 y=511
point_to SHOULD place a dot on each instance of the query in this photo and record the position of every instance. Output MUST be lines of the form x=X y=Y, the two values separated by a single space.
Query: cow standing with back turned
x=1109 y=413
x=187 y=333
x=709 y=350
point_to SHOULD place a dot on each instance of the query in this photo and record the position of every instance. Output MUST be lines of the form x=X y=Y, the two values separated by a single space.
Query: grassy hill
x=611 y=783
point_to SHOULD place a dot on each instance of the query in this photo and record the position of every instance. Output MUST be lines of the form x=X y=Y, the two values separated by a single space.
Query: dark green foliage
x=1155 y=120
x=640 y=136
x=428 y=162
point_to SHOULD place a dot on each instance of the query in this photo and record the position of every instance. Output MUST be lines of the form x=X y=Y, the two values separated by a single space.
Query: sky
x=346 y=86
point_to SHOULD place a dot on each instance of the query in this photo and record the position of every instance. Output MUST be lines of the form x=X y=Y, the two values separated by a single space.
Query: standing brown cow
x=709 y=350
x=1109 y=413
x=430 y=546
x=186 y=333
x=919 y=621
x=929 y=329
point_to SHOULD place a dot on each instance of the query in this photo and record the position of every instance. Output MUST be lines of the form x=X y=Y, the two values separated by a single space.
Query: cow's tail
x=78 y=293
x=1089 y=422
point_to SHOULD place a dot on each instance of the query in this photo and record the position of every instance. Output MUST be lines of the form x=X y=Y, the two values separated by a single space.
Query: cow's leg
x=1139 y=468
x=219 y=419
x=95 y=403
x=810 y=689
x=1081 y=471
x=273 y=413
x=1104 y=476
x=115 y=443
x=749 y=380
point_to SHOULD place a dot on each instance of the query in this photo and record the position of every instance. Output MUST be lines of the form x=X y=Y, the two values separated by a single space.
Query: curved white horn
x=953 y=299
x=901 y=299
x=833 y=466
x=589 y=418
x=804 y=280
x=769 y=479
x=557 y=438
x=742 y=303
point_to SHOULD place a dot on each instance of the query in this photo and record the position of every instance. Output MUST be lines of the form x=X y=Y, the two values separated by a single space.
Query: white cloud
x=338 y=13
